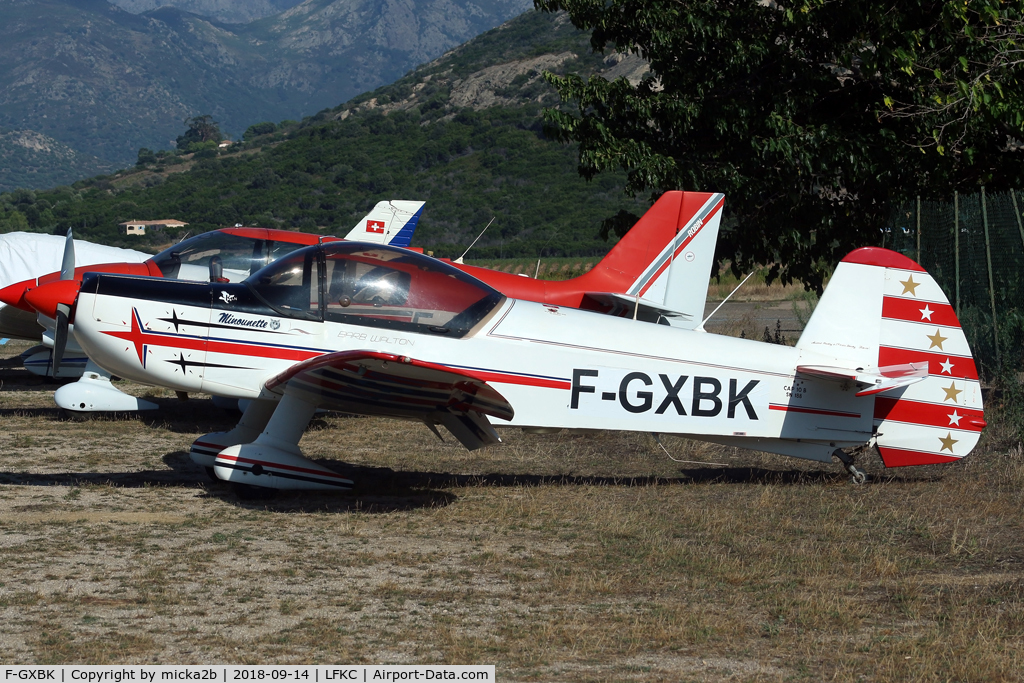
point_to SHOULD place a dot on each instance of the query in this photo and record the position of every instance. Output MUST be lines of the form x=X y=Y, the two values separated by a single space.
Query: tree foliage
x=200 y=129
x=257 y=129
x=813 y=117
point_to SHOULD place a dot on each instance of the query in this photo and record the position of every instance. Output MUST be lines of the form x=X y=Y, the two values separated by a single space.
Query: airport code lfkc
x=228 y=673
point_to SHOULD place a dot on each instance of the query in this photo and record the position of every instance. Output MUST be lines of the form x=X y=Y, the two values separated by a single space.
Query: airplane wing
x=386 y=384
x=886 y=379
x=390 y=222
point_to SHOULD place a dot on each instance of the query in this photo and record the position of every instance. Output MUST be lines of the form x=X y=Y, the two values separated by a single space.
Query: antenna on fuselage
x=700 y=328
x=459 y=260
x=657 y=440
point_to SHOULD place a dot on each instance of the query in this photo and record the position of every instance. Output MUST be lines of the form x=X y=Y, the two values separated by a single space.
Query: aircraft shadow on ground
x=201 y=417
x=382 y=489
x=386 y=477
x=53 y=413
x=181 y=472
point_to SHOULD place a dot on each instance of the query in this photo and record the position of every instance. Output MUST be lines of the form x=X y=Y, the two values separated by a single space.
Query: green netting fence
x=973 y=245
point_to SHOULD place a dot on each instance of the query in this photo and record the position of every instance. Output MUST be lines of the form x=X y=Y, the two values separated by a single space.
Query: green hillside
x=31 y=159
x=463 y=133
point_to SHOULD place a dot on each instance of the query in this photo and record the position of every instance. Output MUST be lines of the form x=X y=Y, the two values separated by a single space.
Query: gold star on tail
x=910 y=286
x=951 y=392
x=936 y=340
x=948 y=442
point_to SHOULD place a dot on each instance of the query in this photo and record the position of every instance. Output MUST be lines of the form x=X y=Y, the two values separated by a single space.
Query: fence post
x=919 y=229
x=956 y=246
x=1016 y=212
x=991 y=283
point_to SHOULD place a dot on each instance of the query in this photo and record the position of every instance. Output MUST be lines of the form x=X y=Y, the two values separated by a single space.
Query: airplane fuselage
x=557 y=367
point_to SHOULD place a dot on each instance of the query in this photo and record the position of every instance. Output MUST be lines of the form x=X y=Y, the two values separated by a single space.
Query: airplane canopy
x=370 y=284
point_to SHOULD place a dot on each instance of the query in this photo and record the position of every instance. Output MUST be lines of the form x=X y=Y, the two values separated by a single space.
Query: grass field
x=567 y=557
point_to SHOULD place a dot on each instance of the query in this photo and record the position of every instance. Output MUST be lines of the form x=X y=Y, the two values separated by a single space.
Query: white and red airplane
x=658 y=272
x=227 y=255
x=374 y=330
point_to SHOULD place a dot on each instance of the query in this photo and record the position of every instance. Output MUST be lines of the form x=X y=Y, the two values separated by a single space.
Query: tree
x=813 y=117
x=257 y=129
x=146 y=156
x=200 y=129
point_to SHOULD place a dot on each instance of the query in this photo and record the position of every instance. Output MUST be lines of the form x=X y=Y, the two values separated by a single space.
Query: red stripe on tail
x=897 y=457
x=959 y=367
x=930 y=414
x=928 y=312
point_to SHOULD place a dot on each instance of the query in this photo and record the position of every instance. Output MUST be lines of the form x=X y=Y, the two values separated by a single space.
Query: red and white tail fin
x=390 y=222
x=883 y=315
x=664 y=262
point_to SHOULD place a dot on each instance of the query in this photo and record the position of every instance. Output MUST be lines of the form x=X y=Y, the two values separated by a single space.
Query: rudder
x=883 y=313
x=389 y=222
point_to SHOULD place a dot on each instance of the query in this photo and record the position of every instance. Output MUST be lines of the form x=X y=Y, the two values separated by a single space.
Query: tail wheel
x=857 y=476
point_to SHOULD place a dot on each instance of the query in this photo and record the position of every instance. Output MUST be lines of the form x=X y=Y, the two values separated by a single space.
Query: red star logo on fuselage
x=137 y=337
x=142 y=338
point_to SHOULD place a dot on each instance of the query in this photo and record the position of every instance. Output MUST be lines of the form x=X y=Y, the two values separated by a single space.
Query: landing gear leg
x=254 y=420
x=856 y=476
x=274 y=460
x=93 y=392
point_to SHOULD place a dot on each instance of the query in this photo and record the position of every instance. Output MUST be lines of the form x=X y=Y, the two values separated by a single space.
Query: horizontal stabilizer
x=386 y=384
x=886 y=379
x=645 y=309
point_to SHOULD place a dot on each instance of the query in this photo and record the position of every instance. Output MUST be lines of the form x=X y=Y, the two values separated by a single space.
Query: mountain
x=31 y=159
x=327 y=48
x=463 y=132
x=105 y=82
x=225 y=11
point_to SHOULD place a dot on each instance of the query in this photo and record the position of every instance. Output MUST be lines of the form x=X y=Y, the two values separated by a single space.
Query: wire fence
x=974 y=247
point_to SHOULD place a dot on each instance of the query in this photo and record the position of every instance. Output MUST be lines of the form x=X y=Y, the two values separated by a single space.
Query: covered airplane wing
x=25 y=255
x=375 y=383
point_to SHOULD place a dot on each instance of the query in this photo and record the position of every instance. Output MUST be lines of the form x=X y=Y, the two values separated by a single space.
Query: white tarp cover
x=25 y=255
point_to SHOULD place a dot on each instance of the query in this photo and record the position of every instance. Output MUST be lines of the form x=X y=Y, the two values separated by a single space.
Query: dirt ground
x=566 y=557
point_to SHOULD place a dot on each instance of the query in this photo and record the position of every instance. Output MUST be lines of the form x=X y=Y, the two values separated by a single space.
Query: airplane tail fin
x=665 y=260
x=886 y=325
x=390 y=222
